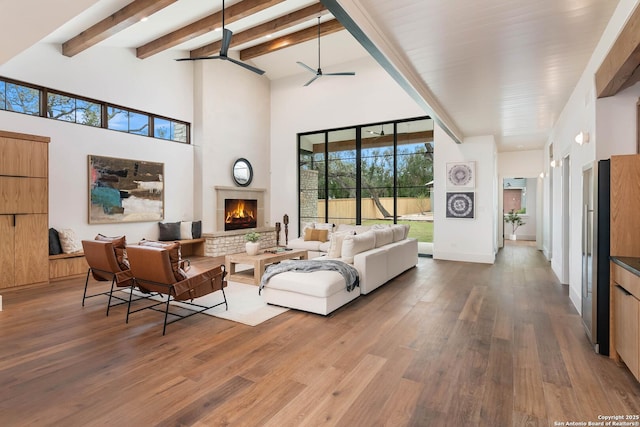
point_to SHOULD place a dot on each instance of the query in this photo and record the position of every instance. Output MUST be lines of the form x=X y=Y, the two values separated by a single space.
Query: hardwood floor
x=444 y=344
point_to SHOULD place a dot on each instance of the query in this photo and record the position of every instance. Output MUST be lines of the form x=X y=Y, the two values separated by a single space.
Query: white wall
x=579 y=114
x=475 y=239
x=158 y=85
x=233 y=121
x=330 y=102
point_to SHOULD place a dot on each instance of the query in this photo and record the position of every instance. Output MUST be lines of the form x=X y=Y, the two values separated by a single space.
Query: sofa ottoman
x=319 y=292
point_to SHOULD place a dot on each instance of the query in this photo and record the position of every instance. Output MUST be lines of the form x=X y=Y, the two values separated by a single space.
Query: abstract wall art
x=461 y=205
x=124 y=190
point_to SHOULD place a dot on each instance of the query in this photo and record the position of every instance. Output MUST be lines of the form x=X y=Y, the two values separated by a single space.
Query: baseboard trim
x=465 y=257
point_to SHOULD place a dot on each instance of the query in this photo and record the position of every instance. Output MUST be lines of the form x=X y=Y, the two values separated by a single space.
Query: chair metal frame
x=171 y=297
x=110 y=292
x=106 y=274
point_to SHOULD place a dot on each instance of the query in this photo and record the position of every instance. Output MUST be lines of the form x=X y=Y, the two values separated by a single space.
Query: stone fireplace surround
x=222 y=242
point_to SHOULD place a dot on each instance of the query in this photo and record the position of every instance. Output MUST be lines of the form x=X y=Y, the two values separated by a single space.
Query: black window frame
x=358 y=136
x=104 y=106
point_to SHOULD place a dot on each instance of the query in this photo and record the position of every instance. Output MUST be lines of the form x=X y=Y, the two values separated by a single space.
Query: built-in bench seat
x=192 y=247
x=66 y=265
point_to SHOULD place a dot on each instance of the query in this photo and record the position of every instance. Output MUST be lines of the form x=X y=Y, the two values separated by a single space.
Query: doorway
x=520 y=198
x=566 y=218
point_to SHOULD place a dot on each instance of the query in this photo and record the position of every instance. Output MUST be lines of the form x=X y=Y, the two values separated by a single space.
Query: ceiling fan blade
x=307 y=67
x=312 y=80
x=226 y=42
x=350 y=73
x=199 y=58
x=247 y=66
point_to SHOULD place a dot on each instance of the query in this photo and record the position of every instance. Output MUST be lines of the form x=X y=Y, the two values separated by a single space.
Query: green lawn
x=421 y=230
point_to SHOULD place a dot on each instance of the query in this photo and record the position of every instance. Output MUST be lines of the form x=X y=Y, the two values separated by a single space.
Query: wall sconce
x=555 y=163
x=582 y=138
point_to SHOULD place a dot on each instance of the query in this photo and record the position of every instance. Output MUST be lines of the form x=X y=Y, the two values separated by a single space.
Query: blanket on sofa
x=347 y=271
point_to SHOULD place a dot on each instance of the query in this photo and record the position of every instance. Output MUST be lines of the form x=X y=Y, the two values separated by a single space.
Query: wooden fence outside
x=346 y=208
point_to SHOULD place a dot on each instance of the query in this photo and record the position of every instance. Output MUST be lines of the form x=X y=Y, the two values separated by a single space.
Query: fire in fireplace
x=240 y=213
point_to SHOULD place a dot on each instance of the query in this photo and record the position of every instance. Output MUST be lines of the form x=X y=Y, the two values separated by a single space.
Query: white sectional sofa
x=322 y=292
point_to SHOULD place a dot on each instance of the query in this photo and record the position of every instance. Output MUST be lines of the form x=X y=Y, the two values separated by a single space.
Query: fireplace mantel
x=240 y=189
x=223 y=193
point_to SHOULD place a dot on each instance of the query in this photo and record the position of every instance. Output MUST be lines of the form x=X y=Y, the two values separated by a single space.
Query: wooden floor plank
x=445 y=343
x=528 y=386
x=335 y=405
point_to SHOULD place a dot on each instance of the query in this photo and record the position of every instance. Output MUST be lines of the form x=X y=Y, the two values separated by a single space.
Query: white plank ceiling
x=499 y=67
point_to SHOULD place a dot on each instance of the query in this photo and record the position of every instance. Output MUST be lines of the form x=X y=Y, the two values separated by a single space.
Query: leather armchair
x=104 y=266
x=152 y=269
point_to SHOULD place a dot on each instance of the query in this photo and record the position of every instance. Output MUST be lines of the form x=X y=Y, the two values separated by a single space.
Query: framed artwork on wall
x=461 y=205
x=124 y=190
x=461 y=175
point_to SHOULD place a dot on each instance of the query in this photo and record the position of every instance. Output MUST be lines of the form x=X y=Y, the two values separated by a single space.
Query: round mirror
x=242 y=172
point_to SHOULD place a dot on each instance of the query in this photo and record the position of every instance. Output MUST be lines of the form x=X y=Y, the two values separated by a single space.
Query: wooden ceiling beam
x=205 y=25
x=376 y=141
x=278 y=24
x=618 y=69
x=118 y=21
x=301 y=36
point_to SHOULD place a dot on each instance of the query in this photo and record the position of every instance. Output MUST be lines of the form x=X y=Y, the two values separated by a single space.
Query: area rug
x=245 y=305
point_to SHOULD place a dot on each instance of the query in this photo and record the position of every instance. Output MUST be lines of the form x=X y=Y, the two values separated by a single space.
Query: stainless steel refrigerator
x=596 y=215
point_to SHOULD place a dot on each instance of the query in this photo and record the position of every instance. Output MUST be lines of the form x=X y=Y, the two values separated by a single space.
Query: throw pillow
x=169 y=231
x=196 y=229
x=335 y=248
x=185 y=230
x=69 y=241
x=406 y=230
x=358 y=229
x=398 y=232
x=306 y=225
x=325 y=226
x=353 y=245
x=384 y=236
x=54 y=242
x=379 y=226
x=311 y=234
x=119 y=247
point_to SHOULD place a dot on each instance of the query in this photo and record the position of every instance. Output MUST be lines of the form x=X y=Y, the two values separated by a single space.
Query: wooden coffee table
x=258 y=262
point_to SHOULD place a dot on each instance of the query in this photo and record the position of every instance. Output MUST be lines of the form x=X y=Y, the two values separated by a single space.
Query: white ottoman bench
x=318 y=292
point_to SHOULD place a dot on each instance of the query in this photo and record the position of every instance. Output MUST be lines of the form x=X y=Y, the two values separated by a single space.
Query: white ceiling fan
x=318 y=73
x=224 y=49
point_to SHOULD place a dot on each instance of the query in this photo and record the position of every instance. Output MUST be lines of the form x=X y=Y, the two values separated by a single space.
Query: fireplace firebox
x=240 y=214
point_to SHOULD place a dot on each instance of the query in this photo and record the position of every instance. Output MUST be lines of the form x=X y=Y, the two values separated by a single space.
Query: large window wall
x=365 y=174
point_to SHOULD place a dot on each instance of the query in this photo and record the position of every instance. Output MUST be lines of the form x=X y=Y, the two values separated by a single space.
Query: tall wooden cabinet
x=24 y=204
x=624 y=293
